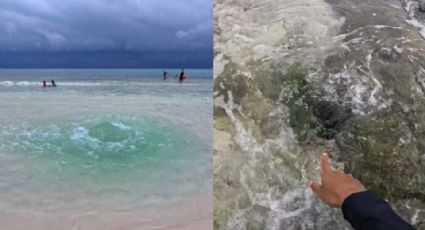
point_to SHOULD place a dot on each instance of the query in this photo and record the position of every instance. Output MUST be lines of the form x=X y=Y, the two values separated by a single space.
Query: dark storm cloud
x=105 y=24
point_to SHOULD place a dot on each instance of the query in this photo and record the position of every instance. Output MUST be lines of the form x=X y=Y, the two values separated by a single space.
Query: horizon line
x=203 y=68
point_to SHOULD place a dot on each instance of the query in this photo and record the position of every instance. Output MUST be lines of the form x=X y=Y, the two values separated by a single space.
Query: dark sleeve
x=366 y=210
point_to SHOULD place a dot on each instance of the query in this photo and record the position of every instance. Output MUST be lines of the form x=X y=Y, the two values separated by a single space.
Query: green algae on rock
x=339 y=76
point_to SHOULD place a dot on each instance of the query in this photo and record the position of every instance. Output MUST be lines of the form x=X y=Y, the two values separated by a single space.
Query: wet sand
x=194 y=214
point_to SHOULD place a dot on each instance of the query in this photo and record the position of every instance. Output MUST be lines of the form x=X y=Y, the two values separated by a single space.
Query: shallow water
x=103 y=139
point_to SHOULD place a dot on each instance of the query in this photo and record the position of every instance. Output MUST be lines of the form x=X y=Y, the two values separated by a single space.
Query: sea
x=103 y=139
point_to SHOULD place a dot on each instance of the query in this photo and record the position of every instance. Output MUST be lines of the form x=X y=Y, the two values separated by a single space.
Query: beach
x=190 y=215
x=105 y=149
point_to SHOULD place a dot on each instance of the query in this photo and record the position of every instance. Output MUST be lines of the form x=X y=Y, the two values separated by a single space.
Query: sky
x=106 y=33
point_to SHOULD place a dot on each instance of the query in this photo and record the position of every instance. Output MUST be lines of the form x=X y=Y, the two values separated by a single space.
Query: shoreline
x=191 y=214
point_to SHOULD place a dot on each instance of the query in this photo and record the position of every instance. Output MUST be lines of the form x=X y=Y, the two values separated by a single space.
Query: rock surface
x=421 y=6
x=295 y=79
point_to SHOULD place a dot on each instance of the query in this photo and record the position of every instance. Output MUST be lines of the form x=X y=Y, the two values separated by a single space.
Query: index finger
x=325 y=169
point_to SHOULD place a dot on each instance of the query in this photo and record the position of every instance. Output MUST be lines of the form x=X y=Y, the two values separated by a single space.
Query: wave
x=33 y=83
x=416 y=17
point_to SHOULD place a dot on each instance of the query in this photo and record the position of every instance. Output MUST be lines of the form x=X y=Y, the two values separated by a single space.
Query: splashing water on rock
x=295 y=79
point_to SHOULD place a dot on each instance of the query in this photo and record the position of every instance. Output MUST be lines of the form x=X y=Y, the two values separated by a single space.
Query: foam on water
x=92 y=153
x=412 y=9
x=82 y=83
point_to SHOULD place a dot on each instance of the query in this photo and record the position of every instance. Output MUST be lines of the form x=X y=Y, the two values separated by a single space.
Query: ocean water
x=103 y=139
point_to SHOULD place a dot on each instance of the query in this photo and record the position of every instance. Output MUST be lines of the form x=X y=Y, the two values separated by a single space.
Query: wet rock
x=423 y=160
x=244 y=202
x=257 y=216
x=331 y=117
x=421 y=6
x=224 y=82
x=255 y=225
x=300 y=118
x=296 y=223
x=269 y=83
x=358 y=99
x=220 y=218
x=389 y=55
x=377 y=150
x=271 y=126
x=218 y=111
x=238 y=84
x=299 y=100
x=308 y=111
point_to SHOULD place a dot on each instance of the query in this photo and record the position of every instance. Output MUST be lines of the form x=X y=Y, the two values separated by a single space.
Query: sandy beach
x=193 y=214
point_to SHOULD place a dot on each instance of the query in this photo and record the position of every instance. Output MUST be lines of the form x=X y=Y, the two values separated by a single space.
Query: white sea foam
x=272 y=29
x=120 y=125
x=411 y=8
x=7 y=83
x=360 y=94
x=33 y=83
x=419 y=25
x=92 y=84
x=79 y=133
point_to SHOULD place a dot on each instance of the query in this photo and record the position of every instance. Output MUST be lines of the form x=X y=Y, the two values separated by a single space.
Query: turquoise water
x=119 y=143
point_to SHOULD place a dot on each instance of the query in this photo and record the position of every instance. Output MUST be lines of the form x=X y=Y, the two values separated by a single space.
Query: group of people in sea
x=181 y=77
x=53 y=84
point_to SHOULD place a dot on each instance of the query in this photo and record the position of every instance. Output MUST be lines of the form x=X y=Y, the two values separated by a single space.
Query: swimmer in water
x=53 y=84
x=181 y=78
x=44 y=84
x=164 y=76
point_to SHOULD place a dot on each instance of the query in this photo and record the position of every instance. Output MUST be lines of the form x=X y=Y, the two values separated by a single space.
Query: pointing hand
x=335 y=186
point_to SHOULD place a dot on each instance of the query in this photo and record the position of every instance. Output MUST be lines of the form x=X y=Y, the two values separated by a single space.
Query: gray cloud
x=82 y=25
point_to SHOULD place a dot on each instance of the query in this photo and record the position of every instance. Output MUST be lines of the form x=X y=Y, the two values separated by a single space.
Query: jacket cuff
x=361 y=206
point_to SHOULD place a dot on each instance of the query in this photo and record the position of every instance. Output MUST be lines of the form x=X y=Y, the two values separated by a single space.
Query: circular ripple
x=119 y=162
